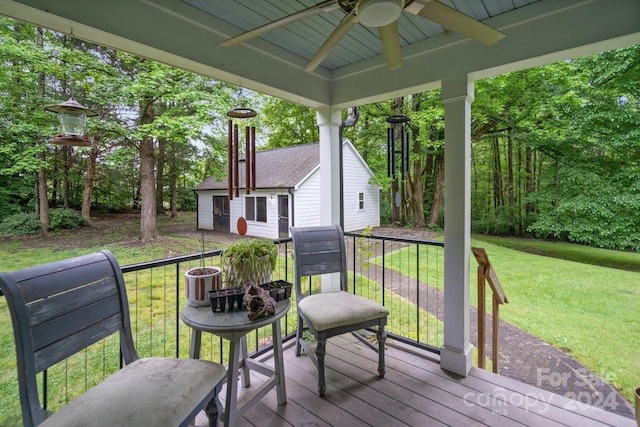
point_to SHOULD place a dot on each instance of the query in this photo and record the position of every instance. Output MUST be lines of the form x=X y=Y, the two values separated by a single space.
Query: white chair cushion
x=333 y=309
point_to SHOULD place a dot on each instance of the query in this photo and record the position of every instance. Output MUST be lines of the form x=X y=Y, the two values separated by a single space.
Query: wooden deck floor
x=414 y=392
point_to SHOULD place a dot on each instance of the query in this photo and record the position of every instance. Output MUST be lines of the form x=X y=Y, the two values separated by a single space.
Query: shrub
x=63 y=219
x=20 y=224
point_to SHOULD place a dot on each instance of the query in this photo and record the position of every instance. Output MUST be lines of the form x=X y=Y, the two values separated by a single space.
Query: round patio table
x=234 y=326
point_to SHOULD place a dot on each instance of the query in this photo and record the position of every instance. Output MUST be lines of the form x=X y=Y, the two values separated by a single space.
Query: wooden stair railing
x=487 y=274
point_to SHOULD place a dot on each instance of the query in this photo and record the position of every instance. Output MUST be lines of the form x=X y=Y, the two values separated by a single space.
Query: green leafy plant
x=249 y=260
x=20 y=224
x=66 y=219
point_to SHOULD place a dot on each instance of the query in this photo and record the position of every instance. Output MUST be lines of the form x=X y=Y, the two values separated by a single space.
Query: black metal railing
x=406 y=275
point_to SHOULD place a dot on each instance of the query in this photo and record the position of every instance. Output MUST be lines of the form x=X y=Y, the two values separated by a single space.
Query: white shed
x=288 y=194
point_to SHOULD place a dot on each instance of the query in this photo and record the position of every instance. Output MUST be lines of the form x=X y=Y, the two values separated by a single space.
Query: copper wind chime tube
x=233 y=153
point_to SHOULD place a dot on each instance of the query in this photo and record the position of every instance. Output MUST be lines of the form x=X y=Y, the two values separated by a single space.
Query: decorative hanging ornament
x=233 y=153
x=397 y=132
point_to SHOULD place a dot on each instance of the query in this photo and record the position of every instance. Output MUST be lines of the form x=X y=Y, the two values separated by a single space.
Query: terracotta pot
x=199 y=282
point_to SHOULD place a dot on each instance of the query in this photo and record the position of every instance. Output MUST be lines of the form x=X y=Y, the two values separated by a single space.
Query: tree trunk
x=88 y=183
x=438 y=195
x=160 y=160
x=43 y=201
x=529 y=165
x=66 y=186
x=510 y=183
x=173 y=184
x=497 y=176
x=417 y=184
x=148 y=216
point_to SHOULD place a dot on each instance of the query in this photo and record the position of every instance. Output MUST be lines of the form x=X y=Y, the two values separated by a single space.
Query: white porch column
x=457 y=95
x=329 y=121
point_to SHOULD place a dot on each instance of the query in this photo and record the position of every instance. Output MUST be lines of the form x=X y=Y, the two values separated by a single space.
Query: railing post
x=496 y=332
x=481 y=318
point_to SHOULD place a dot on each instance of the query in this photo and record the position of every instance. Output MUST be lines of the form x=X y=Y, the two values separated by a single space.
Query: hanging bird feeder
x=73 y=119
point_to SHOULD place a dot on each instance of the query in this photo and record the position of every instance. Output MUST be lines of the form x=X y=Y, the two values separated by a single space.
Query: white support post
x=457 y=96
x=329 y=121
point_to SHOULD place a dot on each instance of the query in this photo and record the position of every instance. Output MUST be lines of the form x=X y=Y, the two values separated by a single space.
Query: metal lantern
x=73 y=119
x=233 y=153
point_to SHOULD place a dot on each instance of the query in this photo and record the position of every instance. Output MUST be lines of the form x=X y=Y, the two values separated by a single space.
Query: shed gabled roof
x=278 y=168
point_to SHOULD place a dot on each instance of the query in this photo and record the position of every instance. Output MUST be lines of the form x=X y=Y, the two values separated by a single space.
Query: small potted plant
x=199 y=281
x=249 y=260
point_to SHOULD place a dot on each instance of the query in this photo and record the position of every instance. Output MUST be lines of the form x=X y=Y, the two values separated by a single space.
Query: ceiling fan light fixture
x=378 y=13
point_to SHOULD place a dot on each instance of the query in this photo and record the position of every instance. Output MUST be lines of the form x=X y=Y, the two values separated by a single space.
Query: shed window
x=256 y=209
x=360 y=201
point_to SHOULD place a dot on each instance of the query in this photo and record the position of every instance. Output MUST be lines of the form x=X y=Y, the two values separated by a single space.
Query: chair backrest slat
x=318 y=250
x=71 y=344
x=42 y=281
x=45 y=309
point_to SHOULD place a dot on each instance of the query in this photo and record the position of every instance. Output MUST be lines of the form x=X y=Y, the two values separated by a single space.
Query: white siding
x=205 y=210
x=267 y=229
x=356 y=180
x=306 y=201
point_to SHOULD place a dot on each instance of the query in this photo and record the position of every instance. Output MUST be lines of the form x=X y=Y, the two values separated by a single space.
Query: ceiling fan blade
x=391 y=45
x=334 y=38
x=325 y=6
x=454 y=20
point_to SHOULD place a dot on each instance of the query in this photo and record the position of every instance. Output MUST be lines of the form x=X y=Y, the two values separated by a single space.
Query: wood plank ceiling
x=305 y=37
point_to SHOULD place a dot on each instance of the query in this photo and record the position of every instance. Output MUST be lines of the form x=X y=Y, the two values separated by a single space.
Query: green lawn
x=588 y=310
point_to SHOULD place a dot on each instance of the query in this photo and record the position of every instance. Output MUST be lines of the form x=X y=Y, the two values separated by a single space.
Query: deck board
x=414 y=392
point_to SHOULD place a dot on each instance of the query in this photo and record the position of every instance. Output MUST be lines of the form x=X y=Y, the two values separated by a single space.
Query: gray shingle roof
x=278 y=168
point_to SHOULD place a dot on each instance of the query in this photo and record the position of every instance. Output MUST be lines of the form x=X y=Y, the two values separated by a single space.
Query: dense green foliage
x=555 y=150
x=138 y=102
x=24 y=223
x=19 y=224
x=66 y=219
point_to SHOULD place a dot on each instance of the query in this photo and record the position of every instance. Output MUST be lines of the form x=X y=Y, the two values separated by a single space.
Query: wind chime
x=233 y=153
x=397 y=134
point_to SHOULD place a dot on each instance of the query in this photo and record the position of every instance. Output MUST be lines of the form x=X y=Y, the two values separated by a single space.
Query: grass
x=629 y=261
x=118 y=235
x=589 y=311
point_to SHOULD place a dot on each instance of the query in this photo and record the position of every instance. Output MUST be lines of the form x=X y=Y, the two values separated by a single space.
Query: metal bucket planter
x=199 y=282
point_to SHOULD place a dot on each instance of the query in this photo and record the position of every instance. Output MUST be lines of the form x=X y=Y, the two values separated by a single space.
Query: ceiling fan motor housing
x=378 y=13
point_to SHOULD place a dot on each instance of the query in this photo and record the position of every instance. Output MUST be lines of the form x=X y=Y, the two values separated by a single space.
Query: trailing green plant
x=249 y=260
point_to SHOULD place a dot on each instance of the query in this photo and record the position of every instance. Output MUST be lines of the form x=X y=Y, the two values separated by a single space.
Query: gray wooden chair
x=58 y=309
x=317 y=251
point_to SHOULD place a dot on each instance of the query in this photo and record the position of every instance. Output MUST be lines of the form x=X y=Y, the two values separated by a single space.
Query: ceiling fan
x=381 y=14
